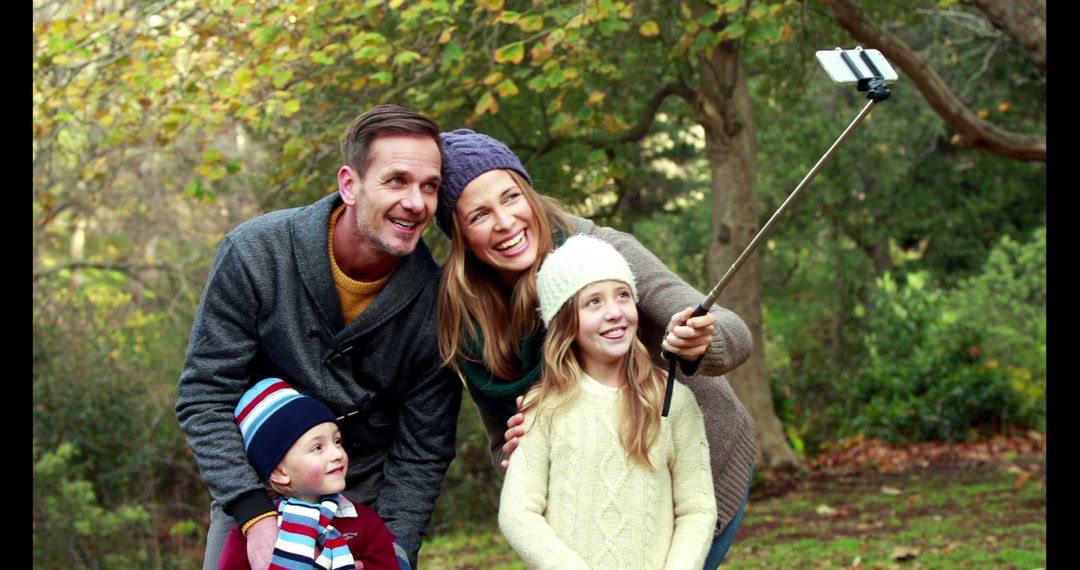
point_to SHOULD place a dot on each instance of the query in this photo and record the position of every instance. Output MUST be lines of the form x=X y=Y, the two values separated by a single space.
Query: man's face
x=396 y=196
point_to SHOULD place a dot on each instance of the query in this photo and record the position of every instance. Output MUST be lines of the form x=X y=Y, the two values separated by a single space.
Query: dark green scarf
x=495 y=395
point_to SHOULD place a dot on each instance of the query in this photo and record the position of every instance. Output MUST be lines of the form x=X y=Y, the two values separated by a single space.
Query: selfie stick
x=876 y=92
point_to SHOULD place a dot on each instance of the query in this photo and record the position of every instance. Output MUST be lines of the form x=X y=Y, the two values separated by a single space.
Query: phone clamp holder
x=873 y=85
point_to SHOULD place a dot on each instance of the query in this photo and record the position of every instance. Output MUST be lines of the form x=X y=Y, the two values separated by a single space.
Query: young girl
x=600 y=480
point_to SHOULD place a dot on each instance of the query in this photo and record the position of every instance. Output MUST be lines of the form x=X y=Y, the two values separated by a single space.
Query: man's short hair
x=356 y=145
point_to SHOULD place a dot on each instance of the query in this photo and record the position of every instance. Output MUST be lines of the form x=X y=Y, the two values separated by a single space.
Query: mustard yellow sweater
x=573 y=497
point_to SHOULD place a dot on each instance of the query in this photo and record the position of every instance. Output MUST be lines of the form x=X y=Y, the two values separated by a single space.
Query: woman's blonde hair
x=474 y=300
x=642 y=395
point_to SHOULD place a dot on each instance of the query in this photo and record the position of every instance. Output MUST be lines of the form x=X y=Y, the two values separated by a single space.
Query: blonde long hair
x=473 y=299
x=642 y=396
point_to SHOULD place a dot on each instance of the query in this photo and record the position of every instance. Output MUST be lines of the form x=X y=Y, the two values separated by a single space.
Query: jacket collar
x=309 y=231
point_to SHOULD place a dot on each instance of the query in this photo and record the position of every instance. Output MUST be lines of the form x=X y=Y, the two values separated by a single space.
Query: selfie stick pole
x=877 y=92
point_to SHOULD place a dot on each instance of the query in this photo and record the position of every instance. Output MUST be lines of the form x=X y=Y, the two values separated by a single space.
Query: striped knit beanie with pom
x=272 y=416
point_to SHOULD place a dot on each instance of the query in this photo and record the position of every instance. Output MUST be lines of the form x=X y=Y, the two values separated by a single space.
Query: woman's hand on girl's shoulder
x=515 y=430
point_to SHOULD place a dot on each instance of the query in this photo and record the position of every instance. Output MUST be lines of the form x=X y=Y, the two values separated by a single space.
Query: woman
x=500 y=230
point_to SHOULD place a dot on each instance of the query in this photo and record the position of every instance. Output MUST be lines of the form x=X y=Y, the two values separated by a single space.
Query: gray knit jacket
x=728 y=426
x=270 y=309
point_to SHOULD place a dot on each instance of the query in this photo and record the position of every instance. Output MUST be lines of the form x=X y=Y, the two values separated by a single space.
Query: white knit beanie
x=578 y=262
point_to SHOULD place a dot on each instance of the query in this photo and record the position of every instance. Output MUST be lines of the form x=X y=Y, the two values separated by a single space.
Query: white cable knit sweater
x=574 y=498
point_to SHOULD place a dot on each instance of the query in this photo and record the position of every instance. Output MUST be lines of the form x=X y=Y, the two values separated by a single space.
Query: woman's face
x=497 y=223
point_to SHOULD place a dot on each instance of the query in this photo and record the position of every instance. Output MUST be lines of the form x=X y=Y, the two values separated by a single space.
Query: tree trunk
x=723 y=108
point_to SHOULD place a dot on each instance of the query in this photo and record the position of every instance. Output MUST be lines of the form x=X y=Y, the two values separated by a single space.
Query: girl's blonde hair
x=474 y=300
x=642 y=395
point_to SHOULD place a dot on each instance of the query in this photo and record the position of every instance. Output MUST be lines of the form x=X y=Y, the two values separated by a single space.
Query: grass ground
x=962 y=513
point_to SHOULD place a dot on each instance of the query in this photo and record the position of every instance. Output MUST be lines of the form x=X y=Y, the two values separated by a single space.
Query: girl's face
x=497 y=224
x=607 y=323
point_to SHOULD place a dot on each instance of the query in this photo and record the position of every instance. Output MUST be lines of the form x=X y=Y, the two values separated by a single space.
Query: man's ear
x=348 y=184
x=279 y=477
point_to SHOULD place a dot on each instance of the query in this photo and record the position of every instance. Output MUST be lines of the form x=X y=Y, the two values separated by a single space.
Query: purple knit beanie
x=466 y=155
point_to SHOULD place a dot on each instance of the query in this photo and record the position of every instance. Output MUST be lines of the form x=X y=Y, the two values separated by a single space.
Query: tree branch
x=639 y=130
x=1023 y=20
x=972 y=130
x=636 y=133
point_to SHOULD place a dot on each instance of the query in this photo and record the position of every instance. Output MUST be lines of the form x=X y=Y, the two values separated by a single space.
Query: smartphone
x=841 y=73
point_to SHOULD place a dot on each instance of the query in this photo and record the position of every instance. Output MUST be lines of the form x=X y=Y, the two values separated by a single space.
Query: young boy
x=294 y=444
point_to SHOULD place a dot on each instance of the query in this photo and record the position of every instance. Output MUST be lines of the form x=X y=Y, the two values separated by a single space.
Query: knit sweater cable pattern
x=574 y=498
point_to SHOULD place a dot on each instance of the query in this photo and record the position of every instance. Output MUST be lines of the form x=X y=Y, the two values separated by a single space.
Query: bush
x=111 y=471
x=1007 y=303
x=72 y=528
x=922 y=375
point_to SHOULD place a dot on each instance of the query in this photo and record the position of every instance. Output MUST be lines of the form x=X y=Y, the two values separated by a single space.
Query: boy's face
x=315 y=465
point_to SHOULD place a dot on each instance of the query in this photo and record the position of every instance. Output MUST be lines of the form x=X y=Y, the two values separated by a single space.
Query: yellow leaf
x=493 y=78
x=395 y=4
x=1004 y=107
x=507 y=89
x=540 y=54
x=126 y=24
x=512 y=53
x=596 y=96
x=649 y=29
x=486 y=104
x=492 y=5
x=531 y=23
x=983 y=113
x=447 y=34
x=359 y=83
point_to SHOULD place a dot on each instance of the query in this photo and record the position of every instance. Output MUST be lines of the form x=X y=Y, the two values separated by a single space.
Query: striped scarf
x=304 y=525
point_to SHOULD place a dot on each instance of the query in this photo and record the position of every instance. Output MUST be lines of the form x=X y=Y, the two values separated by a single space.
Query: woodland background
x=902 y=299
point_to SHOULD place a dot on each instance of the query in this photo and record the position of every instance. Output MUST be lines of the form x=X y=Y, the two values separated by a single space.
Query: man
x=338 y=299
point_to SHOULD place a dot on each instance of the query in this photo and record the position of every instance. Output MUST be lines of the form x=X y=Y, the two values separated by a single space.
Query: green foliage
x=470 y=491
x=106 y=445
x=71 y=525
x=1007 y=302
x=922 y=375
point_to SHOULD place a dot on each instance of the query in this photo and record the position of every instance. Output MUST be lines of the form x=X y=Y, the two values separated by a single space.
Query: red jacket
x=366 y=534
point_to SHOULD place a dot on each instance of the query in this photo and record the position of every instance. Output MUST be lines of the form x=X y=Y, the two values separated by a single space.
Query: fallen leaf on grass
x=1020 y=480
x=857 y=563
x=825 y=510
x=890 y=491
x=901 y=553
